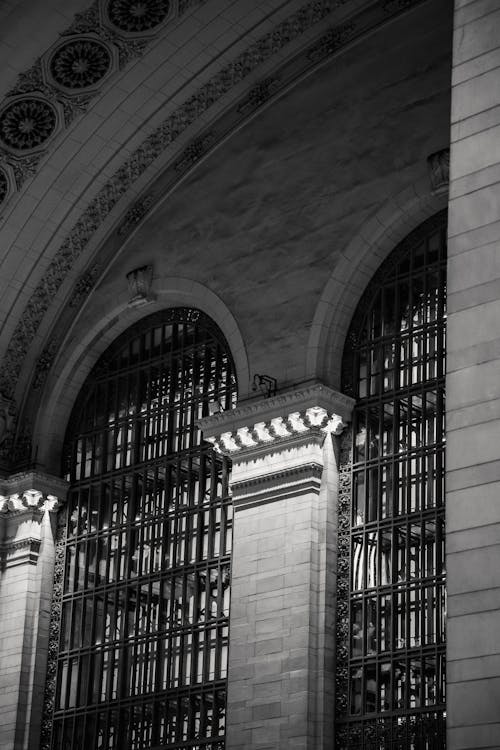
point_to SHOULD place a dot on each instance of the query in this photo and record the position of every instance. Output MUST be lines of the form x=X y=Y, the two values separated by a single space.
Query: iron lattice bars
x=391 y=584
x=143 y=634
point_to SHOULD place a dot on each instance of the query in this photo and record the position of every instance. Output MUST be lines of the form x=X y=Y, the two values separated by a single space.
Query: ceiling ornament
x=27 y=123
x=136 y=16
x=80 y=63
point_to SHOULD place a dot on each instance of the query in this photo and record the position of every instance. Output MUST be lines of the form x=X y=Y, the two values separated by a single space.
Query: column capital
x=24 y=498
x=276 y=444
x=264 y=425
x=29 y=491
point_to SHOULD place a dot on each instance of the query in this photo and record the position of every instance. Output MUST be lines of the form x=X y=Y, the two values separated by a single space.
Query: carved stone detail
x=343 y=554
x=136 y=16
x=80 y=63
x=4 y=185
x=194 y=152
x=139 y=284
x=8 y=413
x=44 y=363
x=84 y=286
x=31 y=490
x=27 y=123
x=259 y=95
x=331 y=42
x=54 y=630
x=248 y=414
x=439 y=170
x=277 y=430
x=135 y=214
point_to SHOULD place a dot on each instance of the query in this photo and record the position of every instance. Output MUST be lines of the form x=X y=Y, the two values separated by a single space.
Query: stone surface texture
x=473 y=383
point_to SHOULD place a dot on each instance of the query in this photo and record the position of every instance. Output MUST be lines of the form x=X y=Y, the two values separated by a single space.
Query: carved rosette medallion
x=136 y=16
x=27 y=123
x=80 y=63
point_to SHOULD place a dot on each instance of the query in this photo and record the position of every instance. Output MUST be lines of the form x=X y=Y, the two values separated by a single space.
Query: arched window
x=143 y=637
x=390 y=679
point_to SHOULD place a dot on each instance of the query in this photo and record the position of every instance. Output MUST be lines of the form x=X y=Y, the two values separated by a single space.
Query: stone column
x=284 y=486
x=27 y=502
x=473 y=381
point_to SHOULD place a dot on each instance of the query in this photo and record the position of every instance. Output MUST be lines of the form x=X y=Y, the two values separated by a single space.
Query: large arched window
x=390 y=677
x=143 y=637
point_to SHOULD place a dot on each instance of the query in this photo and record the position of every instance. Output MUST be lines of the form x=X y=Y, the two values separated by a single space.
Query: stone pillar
x=284 y=486
x=27 y=502
x=473 y=381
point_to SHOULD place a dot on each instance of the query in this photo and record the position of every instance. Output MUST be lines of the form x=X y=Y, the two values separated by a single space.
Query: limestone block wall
x=473 y=382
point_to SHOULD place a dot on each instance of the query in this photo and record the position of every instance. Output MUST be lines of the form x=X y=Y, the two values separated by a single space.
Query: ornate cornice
x=278 y=419
x=31 y=491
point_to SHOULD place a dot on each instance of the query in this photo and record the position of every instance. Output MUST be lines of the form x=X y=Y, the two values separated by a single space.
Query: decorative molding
x=44 y=363
x=139 y=285
x=332 y=41
x=312 y=396
x=21 y=552
x=343 y=557
x=276 y=485
x=194 y=152
x=8 y=415
x=54 y=632
x=259 y=95
x=135 y=214
x=439 y=170
x=84 y=286
x=31 y=490
x=275 y=431
x=394 y=6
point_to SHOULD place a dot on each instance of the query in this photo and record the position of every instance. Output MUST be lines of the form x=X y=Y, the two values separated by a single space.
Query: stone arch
x=369 y=247
x=103 y=326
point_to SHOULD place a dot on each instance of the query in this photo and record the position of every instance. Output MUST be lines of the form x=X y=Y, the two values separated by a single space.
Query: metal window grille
x=143 y=636
x=391 y=588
